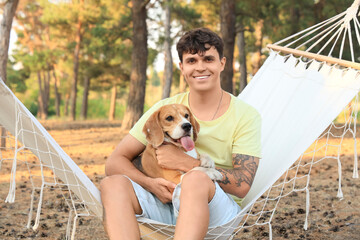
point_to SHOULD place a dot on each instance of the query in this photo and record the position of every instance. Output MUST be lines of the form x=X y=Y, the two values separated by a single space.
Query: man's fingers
x=168 y=184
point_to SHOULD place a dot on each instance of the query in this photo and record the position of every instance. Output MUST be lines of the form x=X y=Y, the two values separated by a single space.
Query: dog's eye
x=186 y=115
x=169 y=118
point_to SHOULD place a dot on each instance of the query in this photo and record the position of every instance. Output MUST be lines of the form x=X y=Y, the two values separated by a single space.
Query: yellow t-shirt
x=237 y=131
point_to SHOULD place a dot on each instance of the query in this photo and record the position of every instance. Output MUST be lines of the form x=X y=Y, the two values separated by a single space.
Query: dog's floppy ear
x=153 y=131
x=195 y=124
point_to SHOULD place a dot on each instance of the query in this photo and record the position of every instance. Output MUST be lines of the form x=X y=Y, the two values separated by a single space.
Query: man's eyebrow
x=189 y=58
x=201 y=56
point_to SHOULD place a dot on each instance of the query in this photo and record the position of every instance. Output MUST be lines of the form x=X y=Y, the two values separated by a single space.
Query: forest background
x=113 y=59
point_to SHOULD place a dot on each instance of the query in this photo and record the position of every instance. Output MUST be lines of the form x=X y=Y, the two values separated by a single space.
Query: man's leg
x=197 y=190
x=120 y=206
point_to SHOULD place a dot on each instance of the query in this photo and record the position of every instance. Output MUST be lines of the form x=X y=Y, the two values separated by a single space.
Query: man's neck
x=204 y=105
x=199 y=99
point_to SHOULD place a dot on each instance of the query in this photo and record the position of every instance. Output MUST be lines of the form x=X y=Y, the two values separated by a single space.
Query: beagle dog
x=173 y=124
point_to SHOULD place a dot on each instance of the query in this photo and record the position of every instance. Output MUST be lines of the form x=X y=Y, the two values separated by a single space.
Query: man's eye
x=186 y=115
x=169 y=118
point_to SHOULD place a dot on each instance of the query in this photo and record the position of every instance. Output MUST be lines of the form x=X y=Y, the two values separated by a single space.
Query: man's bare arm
x=237 y=181
x=120 y=162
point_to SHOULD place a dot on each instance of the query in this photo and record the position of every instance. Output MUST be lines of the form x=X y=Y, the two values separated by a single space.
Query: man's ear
x=223 y=62
x=181 y=66
x=153 y=131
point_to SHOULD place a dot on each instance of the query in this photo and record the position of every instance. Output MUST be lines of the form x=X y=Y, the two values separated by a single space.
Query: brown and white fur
x=168 y=125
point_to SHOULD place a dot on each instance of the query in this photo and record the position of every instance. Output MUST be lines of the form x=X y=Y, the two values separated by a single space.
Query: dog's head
x=172 y=123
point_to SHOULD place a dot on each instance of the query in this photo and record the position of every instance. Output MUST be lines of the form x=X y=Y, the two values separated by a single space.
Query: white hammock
x=297 y=98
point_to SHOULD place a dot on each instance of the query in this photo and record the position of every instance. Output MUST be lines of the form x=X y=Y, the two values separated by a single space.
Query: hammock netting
x=298 y=97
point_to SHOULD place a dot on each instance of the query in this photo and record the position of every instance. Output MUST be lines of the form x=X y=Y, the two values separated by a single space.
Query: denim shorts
x=222 y=207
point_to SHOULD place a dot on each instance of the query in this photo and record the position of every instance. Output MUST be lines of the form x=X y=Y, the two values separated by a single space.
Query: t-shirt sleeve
x=247 y=137
x=136 y=130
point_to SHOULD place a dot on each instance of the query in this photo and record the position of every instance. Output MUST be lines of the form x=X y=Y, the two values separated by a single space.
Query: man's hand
x=162 y=189
x=172 y=157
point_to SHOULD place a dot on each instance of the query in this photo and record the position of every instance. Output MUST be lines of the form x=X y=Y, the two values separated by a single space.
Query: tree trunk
x=227 y=25
x=67 y=102
x=256 y=61
x=44 y=94
x=135 y=103
x=57 y=94
x=47 y=79
x=318 y=10
x=168 y=73
x=5 y=28
x=78 y=39
x=295 y=19
x=85 y=100
x=242 y=59
x=41 y=98
x=112 y=103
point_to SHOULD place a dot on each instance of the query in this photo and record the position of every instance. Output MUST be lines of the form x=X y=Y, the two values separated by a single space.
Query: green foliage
x=152 y=53
x=99 y=109
x=176 y=75
x=16 y=77
x=155 y=79
x=46 y=40
x=30 y=101
x=33 y=108
x=186 y=16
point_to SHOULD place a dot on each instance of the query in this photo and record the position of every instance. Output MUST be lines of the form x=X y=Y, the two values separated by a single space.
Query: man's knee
x=114 y=183
x=197 y=183
x=119 y=189
x=197 y=179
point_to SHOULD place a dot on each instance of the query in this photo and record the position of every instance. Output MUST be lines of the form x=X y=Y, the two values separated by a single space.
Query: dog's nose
x=186 y=127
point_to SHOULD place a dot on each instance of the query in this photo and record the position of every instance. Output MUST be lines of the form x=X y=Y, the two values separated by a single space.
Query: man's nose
x=200 y=66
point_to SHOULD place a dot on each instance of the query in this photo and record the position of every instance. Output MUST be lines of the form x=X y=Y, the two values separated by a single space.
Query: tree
x=112 y=103
x=56 y=91
x=5 y=28
x=71 y=24
x=178 y=15
x=242 y=57
x=78 y=39
x=110 y=45
x=135 y=103
x=228 y=33
x=168 y=73
x=35 y=53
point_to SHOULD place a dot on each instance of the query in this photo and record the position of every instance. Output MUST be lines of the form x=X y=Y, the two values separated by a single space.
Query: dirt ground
x=90 y=143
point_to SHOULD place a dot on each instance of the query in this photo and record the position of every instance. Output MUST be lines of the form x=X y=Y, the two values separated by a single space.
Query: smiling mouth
x=202 y=77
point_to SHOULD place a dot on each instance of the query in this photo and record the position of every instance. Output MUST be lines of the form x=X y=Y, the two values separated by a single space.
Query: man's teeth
x=201 y=77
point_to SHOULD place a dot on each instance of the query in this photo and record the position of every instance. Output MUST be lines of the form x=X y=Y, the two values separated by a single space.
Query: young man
x=229 y=134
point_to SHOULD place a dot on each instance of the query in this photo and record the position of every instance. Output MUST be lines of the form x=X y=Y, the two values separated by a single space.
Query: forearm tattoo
x=243 y=172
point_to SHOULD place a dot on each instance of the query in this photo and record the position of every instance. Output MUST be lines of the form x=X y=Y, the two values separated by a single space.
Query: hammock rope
x=342 y=26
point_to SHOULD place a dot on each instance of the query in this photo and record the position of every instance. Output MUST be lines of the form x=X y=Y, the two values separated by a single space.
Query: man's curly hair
x=199 y=40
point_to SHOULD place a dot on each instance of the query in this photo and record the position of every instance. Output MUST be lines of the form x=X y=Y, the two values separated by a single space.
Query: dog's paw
x=206 y=161
x=211 y=172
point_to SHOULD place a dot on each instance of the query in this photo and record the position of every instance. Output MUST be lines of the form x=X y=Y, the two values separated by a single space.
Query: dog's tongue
x=187 y=143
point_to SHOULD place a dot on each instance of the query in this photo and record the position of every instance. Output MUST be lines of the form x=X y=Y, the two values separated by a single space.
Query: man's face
x=202 y=70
